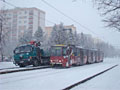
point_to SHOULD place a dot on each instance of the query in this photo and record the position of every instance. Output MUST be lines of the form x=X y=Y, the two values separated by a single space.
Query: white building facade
x=49 y=29
x=20 y=20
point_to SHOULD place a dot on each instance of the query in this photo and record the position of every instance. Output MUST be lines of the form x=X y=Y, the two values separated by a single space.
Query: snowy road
x=107 y=81
x=52 y=79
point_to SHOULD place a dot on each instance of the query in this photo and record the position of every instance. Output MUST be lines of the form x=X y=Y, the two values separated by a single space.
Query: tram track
x=8 y=70
x=46 y=72
x=15 y=67
x=43 y=74
x=18 y=69
x=88 y=78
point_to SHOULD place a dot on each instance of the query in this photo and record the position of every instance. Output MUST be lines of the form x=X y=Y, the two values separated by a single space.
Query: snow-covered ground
x=7 y=65
x=57 y=79
x=107 y=81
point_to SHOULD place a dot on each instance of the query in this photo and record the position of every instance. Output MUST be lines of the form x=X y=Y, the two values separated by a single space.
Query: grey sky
x=81 y=10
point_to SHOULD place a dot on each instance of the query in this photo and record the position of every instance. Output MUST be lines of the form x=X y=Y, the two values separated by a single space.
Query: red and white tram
x=67 y=56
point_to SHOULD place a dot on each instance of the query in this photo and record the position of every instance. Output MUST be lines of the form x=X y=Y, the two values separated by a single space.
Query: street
x=57 y=78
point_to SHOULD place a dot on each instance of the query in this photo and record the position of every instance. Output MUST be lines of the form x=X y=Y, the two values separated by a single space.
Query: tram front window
x=56 y=51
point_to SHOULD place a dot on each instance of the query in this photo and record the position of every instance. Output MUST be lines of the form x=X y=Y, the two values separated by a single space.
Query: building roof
x=18 y=8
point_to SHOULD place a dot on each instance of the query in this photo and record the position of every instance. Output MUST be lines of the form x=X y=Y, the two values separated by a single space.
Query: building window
x=31 y=12
x=30 y=27
x=25 y=17
x=30 y=22
x=30 y=17
x=25 y=12
x=25 y=21
x=20 y=12
x=9 y=14
x=14 y=15
x=19 y=21
x=8 y=18
x=14 y=20
x=22 y=27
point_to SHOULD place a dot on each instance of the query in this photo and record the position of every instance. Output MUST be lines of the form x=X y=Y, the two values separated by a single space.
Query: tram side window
x=91 y=53
x=78 y=52
x=75 y=51
x=88 y=53
x=64 y=52
x=82 y=53
x=85 y=53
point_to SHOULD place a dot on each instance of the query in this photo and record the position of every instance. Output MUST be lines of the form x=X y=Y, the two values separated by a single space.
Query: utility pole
x=2 y=19
x=1 y=39
x=0 y=29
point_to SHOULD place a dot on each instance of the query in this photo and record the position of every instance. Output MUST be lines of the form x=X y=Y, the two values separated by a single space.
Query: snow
x=7 y=65
x=57 y=79
x=107 y=81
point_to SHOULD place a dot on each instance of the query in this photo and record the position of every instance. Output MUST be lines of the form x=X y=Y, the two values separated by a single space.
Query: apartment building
x=49 y=29
x=20 y=20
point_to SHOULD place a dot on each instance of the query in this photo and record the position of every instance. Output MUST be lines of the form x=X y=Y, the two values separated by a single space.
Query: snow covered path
x=51 y=79
x=107 y=81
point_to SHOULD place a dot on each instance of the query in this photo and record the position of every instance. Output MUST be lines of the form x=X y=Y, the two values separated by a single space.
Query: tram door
x=81 y=57
x=78 y=59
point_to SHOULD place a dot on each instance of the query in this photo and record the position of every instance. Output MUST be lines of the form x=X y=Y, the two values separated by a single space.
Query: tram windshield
x=56 y=51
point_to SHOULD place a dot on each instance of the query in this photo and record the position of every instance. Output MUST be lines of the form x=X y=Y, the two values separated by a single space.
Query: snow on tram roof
x=60 y=45
x=79 y=47
x=92 y=49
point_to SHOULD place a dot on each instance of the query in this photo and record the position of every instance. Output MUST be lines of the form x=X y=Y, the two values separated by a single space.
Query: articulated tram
x=68 y=55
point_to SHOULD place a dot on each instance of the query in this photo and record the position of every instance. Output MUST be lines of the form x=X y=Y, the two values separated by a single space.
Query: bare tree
x=27 y=37
x=111 y=11
x=39 y=34
x=2 y=41
x=4 y=33
x=58 y=35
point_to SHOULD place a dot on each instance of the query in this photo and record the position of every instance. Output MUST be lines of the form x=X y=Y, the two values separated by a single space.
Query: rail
x=88 y=78
x=23 y=69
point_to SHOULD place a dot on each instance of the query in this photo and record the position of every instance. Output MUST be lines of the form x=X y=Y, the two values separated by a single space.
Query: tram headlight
x=51 y=60
x=60 y=61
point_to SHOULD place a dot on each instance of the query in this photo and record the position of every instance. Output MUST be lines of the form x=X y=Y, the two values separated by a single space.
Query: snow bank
x=6 y=65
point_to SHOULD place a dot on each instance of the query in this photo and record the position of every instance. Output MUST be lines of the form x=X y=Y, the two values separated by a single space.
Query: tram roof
x=61 y=45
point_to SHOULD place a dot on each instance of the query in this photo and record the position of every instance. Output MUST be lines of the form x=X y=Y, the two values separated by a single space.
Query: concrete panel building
x=20 y=20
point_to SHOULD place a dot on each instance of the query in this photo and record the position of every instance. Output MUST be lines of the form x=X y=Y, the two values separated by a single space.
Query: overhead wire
x=83 y=26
